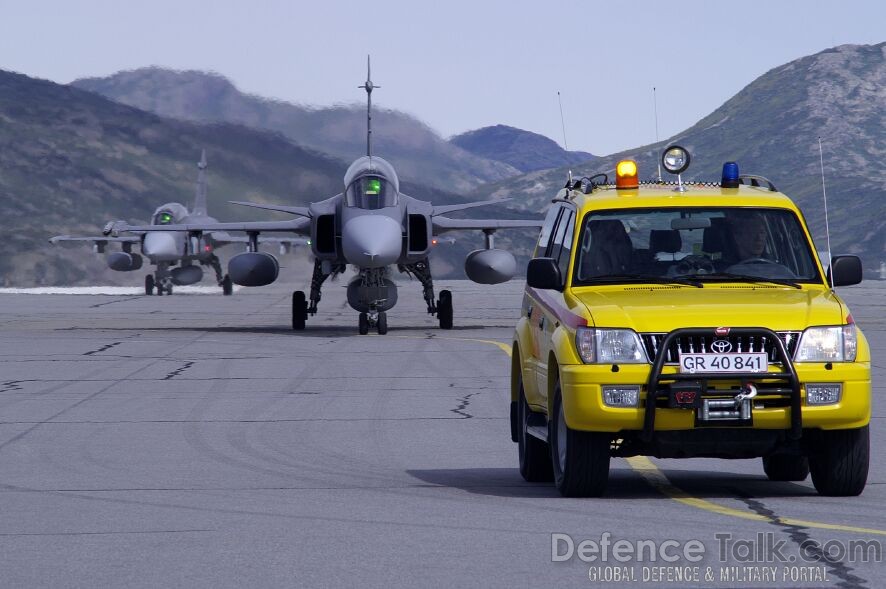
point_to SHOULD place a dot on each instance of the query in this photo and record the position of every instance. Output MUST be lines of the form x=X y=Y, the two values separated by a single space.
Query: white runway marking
x=109 y=290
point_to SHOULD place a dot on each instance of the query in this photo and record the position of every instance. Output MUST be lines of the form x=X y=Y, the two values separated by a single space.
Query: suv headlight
x=609 y=346
x=828 y=344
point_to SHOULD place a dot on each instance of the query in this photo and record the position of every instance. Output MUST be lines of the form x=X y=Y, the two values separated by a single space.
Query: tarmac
x=195 y=440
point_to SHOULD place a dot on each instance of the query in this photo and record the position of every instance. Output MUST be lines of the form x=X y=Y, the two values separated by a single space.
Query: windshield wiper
x=651 y=278
x=725 y=276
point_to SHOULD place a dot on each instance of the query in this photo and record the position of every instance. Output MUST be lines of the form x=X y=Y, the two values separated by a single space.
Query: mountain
x=523 y=150
x=771 y=128
x=421 y=154
x=70 y=160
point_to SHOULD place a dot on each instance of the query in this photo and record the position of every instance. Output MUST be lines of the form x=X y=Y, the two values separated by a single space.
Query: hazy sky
x=455 y=64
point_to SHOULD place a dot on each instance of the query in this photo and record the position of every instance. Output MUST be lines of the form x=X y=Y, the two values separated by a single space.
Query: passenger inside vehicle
x=607 y=249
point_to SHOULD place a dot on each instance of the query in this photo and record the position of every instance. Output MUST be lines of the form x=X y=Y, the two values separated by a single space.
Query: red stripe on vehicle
x=556 y=308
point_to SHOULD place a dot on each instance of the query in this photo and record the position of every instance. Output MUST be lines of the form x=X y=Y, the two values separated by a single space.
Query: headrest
x=714 y=238
x=606 y=229
x=665 y=240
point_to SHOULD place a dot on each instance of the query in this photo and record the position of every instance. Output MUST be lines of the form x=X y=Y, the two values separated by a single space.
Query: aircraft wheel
x=299 y=310
x=444 y=309
x=159 y=289
x=363 y=324
x=381 y=323
x=227 y=286
x=169 y=289
x=149 y=284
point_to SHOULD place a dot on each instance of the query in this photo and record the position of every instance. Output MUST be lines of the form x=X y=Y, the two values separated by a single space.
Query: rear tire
x=839 y=461
x=444 y=309
x=363 y=324
x=580 y=459
x=381 y=324
x=534 y=455
x=149 y=285
x=227 y=286
x=786 y=467
x=299 y=310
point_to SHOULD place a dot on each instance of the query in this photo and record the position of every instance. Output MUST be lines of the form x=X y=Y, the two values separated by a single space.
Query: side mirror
x=845 y=271
x=544 y=274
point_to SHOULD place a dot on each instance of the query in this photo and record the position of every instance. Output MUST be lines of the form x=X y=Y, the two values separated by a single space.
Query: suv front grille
x=699 y=344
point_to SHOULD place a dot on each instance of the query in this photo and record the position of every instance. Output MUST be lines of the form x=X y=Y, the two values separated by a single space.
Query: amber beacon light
x=626 y=175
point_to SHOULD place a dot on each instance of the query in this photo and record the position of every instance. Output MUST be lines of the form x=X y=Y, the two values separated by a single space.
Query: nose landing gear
x=368 y=320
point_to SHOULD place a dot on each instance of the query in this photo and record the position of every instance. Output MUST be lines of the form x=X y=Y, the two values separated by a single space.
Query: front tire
x=580 y=459
x=786 y=467
x=534 y=455
x=839 y=461
x=149 y=284
x=227 y=286
x=363 y=324
x=381 y=324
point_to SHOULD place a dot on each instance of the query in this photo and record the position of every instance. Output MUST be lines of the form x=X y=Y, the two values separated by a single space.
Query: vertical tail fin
x=200 y=197
x=369 y=87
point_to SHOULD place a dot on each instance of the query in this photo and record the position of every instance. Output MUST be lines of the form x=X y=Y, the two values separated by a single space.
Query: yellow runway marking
x=658 y=481
x=506 y=348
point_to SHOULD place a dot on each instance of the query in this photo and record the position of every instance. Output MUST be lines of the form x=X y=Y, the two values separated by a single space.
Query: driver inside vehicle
x=747 y=251
x=747 y=232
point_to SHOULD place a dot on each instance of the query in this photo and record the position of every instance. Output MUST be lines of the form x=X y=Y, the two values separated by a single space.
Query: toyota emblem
x=721 y=346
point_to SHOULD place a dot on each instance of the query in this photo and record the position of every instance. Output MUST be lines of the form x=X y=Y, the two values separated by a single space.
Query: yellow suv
x=683 y=320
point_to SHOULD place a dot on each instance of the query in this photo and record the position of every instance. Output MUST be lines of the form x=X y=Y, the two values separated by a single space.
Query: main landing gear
x=223 y=281
x=444 y=309
x=443 y=306
x=301 y=306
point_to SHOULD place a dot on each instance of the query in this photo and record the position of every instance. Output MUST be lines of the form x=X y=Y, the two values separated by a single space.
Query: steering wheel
x=759 y=261
x=762 y=267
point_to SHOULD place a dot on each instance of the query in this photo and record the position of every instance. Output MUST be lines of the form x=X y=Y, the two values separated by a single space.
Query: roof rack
x=755 y=181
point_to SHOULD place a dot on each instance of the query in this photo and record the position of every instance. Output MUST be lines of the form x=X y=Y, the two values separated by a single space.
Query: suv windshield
x=704 y=244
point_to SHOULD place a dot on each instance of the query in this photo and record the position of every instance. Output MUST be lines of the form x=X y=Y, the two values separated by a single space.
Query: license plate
x=700 y=363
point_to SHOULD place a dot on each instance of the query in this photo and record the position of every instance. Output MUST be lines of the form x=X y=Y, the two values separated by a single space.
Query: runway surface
x=195 y=440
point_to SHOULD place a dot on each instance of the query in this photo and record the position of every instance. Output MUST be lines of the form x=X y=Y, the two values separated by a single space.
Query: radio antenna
x=655 y=110
x=827 y=229
x=369 y=87
x=563 y=126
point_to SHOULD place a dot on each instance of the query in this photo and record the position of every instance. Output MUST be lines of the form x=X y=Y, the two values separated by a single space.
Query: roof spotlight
x=675 y=159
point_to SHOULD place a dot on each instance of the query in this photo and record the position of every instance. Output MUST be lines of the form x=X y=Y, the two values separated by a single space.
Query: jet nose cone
x=372 y=241
x=161 y=245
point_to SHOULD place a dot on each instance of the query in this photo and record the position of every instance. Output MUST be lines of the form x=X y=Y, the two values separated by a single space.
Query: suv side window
x=555 y=250
x=544 y=237
x=564 y=237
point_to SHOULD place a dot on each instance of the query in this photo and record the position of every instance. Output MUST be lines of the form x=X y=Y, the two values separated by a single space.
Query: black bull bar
x=788 y=374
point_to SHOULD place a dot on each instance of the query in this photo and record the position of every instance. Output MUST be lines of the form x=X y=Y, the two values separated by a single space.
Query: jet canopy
x=371 y=183
x=169 y=214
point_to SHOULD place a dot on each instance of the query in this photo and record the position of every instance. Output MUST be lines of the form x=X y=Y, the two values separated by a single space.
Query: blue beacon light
x=730 y=175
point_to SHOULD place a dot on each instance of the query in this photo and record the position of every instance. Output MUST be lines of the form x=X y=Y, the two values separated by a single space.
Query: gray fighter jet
x=168 y=249
x=371 y=226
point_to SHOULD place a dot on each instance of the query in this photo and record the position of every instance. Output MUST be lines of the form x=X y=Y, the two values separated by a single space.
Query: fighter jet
x=166 y=249
x=372 y=226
